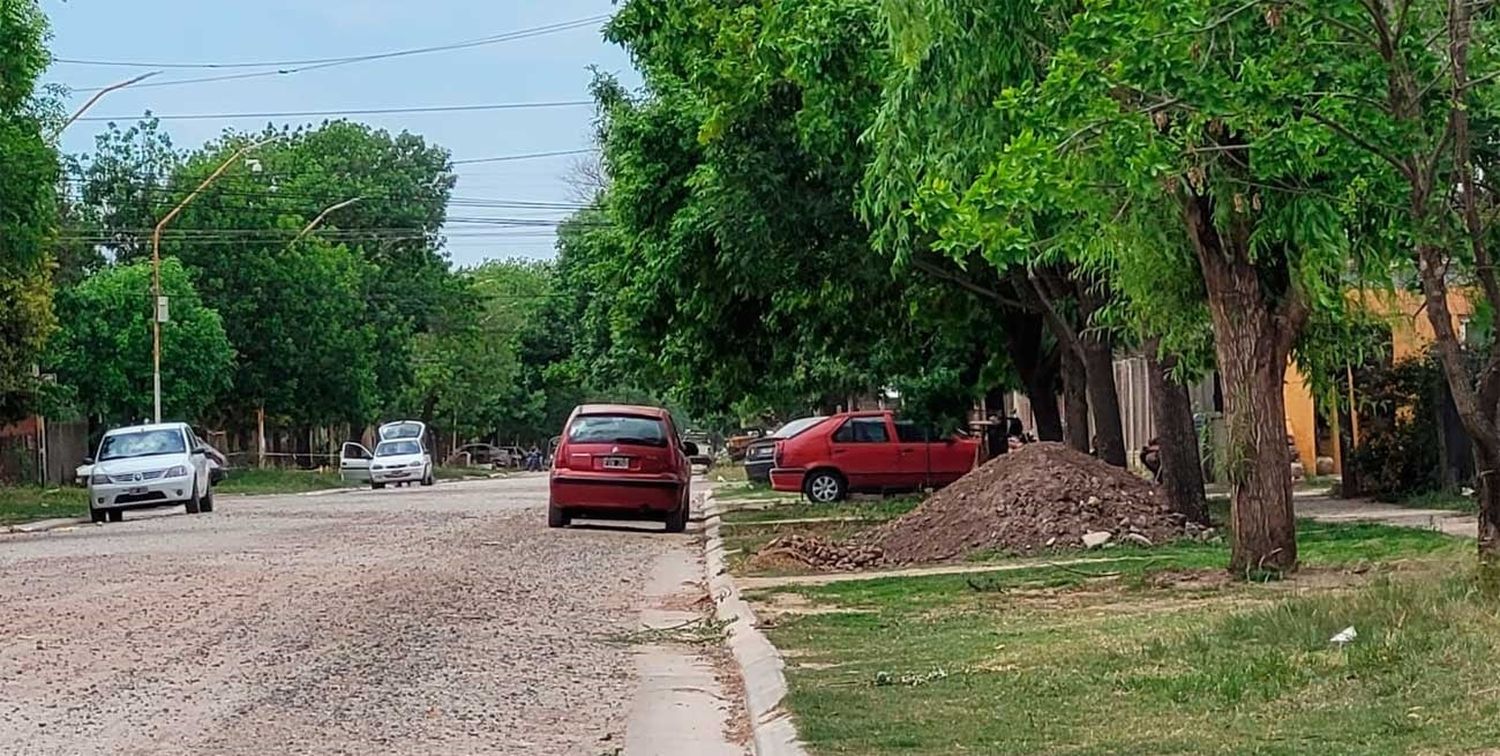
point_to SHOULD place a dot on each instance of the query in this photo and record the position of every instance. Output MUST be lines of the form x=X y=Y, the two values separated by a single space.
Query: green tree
x=1181 y=163
x=326 y=323
x=738 y=272
x=103 y=350
x=28 y=171
x=1410 y=88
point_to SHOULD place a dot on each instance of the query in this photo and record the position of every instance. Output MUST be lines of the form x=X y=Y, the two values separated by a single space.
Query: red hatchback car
x=869 y=451
x=619 y=462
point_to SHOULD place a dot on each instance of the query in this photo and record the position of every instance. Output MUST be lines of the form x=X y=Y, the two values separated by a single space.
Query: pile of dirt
x=804 y=551
x=1042 y=496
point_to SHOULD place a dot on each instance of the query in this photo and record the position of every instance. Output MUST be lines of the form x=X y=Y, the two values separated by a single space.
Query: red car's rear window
x=618 y=429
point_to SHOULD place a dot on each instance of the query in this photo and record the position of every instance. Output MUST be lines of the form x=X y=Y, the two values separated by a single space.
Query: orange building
x=1411 y=332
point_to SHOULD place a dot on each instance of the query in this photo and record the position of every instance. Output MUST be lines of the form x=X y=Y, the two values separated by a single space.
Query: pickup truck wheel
x=116 y=515
x=429 y=479
x=376 y=486
x=98 y=515
x=194 y=504
x=207 y=503
x=824 y=487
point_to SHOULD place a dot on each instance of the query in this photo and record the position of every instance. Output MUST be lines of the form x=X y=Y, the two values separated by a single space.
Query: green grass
x=272 y=481
x=20 y=504
x=1447 y=500
x=1052 y=660
x=462 y=473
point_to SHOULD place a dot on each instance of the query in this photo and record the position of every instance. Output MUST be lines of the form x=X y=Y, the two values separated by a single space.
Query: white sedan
x=149 y=466
x=403 y=461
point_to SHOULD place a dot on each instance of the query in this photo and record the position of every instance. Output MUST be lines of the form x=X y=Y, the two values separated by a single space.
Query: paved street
x=445 y=620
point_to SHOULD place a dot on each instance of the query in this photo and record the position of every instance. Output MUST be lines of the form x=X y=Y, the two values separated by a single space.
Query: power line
x=503 y=37
x=531 y=156
x=365 y=111
x=337 y=62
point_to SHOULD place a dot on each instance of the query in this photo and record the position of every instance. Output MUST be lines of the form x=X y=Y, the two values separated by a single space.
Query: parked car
x=479 y=455
x=760 y=456
x=403 y=456
x=869 y=452
x=617 y=461
x=740 y=440
x=146 y=466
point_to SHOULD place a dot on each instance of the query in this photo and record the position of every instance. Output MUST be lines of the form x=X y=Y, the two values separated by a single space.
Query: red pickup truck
x=869 y=452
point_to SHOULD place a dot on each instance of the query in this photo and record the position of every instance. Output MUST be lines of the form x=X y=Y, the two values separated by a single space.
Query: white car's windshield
x=141 y=444
x=397 y=448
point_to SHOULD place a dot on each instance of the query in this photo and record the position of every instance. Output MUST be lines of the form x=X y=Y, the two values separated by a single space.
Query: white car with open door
x=354 y=463
x=403 y=455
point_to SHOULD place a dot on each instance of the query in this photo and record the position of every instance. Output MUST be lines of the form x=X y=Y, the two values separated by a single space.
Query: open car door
x=354 y=462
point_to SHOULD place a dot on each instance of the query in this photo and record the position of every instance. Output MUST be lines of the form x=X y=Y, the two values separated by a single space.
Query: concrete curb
x=773 y=733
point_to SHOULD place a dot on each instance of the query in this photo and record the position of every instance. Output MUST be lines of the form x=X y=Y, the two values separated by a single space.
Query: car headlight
x=377 y=467
x=98 y=479
x=179 y=471
x=415 y=464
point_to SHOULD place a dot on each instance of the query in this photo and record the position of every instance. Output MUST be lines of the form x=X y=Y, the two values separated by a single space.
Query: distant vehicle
x=144 y=466
x=740 y=440
x=621 y=462
x=760 y=456
x=403 y=456
x=511 y=456
x=869 y=452
x=479 y=455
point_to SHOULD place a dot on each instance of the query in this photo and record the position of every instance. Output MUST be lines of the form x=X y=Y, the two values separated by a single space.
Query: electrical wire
x=502 y=37
x=335 y=63
x=352 y=112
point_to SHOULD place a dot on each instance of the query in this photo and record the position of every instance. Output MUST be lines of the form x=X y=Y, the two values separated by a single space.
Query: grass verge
x=20 y=504
x=1154 y=656
x=273 y=481
x=1447 y=500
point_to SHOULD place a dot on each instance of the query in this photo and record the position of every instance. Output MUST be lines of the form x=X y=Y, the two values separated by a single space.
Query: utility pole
x=159 y=310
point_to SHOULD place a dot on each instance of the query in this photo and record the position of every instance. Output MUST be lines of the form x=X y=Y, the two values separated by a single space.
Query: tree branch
x=1367 y=145
x=964 y=283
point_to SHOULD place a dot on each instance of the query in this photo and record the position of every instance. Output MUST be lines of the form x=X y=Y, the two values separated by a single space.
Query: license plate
x=617 y=463
x=137 y=490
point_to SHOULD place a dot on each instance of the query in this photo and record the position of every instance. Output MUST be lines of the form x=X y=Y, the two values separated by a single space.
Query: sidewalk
x=1326 y=509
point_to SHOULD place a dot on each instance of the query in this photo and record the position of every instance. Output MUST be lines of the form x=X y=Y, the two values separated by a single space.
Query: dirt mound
x=1042 y=496
x=803 y=551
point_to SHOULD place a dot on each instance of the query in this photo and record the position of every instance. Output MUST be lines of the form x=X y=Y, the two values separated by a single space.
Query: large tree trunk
x=1038 y=368
x=1104 y=401
x=1253 y=334
x=1075 y=402
x=1177 y=437
x=1042 y=392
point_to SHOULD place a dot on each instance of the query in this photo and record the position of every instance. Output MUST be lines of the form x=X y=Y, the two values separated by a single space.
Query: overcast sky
x=548 y=68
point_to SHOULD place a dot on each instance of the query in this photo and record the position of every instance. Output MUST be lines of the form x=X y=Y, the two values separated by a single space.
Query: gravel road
x=443 y=620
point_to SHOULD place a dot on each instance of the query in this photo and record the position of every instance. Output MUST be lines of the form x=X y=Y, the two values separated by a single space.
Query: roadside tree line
x=816 y=198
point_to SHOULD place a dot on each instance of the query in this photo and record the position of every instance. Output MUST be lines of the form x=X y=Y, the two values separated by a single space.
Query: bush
x=1400 y=440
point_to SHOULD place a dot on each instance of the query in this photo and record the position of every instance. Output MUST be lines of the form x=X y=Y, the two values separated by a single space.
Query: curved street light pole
x=98 y=96
x=156 y=314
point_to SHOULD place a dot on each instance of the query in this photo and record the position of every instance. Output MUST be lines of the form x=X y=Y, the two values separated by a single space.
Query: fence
x=41 y=451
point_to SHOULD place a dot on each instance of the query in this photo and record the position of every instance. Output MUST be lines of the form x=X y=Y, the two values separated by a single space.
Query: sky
x=547 y=68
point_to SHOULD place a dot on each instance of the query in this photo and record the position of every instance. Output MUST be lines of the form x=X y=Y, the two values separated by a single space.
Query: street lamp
x=319 y=220
x=159 y=314
x=98 y=96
